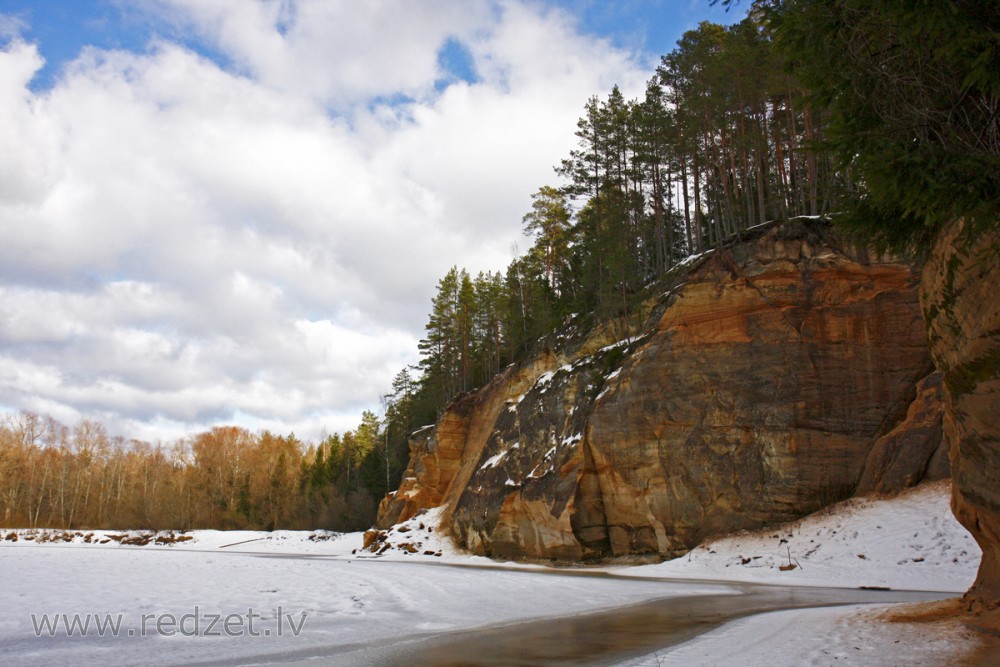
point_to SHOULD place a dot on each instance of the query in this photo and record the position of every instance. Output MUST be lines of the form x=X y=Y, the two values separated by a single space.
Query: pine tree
x=440 y=346
x=491 y=303
x=549 y=223
x=912 y=93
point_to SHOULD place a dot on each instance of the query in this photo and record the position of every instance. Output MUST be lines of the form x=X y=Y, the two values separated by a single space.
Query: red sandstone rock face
x=960 y=294
x=443 y=457
x=759 y=395
x=753 y=396
x=915 y=449
x=435 y=454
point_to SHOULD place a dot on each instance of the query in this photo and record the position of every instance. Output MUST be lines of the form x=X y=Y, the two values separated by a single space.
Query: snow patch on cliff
x=495 y=460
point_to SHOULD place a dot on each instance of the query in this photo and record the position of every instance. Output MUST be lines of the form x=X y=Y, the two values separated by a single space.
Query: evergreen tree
x=465 y=333
x=366 y=436
x=912 y=93
x=490 y=304
x=440 y=347
x=549 y=223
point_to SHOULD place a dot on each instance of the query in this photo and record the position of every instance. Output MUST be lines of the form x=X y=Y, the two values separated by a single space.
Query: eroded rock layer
x=754 y=393
x=960 y=294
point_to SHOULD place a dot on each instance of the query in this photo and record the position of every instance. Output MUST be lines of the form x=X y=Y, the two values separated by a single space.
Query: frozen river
x=335 y=610
x=612 y=636
x=302 y=597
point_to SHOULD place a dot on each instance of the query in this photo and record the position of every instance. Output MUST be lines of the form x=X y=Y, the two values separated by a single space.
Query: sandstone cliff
x=960 y=294
x=770 y=378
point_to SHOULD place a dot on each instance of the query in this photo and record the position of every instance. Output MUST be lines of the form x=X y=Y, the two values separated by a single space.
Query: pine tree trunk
x=687 y=208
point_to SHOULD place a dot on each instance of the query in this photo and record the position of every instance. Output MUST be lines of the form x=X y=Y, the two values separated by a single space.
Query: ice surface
x=352 y=597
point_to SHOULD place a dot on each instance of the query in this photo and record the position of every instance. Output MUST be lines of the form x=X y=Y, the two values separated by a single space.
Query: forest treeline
x=881 y=114
x=724 y=138
x=52 y=475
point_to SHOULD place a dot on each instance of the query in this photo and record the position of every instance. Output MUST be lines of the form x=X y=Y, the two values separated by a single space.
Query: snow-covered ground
x=328 y=597
x=344 y=601
x=852 y=635
x=910 y=541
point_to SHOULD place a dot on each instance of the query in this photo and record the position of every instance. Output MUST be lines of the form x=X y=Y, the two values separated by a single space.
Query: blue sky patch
x=457 y=64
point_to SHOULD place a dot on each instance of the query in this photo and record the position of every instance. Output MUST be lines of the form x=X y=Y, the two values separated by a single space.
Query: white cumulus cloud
x=254 y=235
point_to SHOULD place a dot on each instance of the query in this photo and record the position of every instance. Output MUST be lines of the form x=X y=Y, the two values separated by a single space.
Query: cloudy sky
x=237 y=211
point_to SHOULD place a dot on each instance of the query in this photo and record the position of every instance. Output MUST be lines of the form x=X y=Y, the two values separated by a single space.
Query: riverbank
x=355 y=600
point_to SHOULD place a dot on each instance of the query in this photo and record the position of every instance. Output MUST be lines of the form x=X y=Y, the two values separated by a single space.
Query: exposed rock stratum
x=769 y=379
x=960 y=293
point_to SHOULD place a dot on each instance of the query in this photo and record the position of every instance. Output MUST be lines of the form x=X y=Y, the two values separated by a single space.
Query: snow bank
x=278 y=541
x=910 y=541
x=850 y=636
